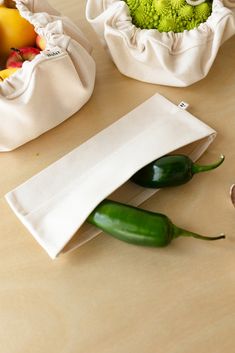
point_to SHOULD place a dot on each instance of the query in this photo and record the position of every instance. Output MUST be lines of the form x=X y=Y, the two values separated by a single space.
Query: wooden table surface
x=108 y=296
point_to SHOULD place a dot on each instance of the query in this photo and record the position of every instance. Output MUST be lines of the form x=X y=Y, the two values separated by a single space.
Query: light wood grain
x=107 y=296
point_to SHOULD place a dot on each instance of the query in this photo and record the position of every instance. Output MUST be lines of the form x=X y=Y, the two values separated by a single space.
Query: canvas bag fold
x=54 y=204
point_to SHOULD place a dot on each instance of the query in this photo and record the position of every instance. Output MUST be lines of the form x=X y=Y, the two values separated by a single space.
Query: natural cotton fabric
x=55 y=203
x=174 y=59
x=52 y=87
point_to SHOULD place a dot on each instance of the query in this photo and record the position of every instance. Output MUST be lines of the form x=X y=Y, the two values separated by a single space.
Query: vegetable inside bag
x=167 y=58
x=101 y=168
x=51 y=87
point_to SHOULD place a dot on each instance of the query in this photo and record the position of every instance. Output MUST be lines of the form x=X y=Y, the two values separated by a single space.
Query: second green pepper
x=137 y=226
x=170 y=170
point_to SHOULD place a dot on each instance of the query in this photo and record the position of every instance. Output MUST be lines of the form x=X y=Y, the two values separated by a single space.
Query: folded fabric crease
x=55 y=209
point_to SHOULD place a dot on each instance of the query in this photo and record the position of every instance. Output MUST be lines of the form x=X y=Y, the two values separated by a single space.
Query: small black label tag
x=52 y=53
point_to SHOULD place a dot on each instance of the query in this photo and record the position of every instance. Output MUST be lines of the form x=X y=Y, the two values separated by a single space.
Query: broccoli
x=168 y=15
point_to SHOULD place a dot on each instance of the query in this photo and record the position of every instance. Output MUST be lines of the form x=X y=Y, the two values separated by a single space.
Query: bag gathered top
x=161 y=57
x=51 y=87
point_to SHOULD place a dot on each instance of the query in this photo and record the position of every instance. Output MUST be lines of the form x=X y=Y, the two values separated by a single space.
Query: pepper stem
x=179 y=232
x=204 y=168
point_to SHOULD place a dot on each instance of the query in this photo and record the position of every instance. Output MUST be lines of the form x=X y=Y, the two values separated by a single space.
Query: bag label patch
x=183 y=105
x=52 y=53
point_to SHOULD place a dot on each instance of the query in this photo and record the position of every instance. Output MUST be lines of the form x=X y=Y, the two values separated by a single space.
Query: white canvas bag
x=174 y=59
x=52 y=87
x=54 y=209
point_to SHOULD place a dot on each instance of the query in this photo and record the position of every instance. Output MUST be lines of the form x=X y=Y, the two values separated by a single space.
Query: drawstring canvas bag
x=51 y=87
x=167 y=58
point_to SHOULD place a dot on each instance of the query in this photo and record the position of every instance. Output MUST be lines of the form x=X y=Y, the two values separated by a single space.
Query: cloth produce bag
x=52 y=87
x=167 y=58
x=55 y=203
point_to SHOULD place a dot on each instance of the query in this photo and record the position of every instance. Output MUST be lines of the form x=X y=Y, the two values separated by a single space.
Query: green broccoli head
x=168 y=15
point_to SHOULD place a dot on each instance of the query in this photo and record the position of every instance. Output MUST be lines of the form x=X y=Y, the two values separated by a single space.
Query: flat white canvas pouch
x=54 y=204
x=50 y=88
x=167 y=58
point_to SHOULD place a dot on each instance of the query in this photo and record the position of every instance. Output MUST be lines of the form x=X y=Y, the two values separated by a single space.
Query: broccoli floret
x=133 y=4
x=177 y=4
x=162 y=7
x=186 y=12
x=192 y=24
x=143 y=16
x=167 y=24
x=202 y=11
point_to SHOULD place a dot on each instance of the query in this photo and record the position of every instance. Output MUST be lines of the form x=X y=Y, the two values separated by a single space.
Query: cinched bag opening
x=167 y=58
x=65 y=65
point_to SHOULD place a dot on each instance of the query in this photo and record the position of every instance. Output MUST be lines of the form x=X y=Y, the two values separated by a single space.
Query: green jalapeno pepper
x=170 y=170
x=137 y=226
